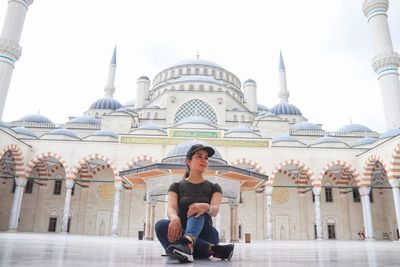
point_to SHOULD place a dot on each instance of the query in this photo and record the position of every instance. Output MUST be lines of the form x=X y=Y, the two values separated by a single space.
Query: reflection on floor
x=28 y=249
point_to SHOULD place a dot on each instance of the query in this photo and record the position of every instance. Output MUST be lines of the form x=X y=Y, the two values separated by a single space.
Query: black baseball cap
x=197 y=147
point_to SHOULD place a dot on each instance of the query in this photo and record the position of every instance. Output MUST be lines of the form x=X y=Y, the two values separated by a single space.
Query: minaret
x=386 y=62
x=142 y=91
x=10 y=51
x=109 y=89
x=283 y=92
x=250 y=94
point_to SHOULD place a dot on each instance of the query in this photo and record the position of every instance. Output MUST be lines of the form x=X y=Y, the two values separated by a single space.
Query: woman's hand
x=174 y=229
x=197 y=209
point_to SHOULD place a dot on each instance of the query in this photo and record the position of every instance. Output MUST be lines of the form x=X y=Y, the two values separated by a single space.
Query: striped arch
x=39 y=162
x=83 y=162
x=394 y=171
x=305 y=175
x=18 y=159
x=251 y=163
x=133 y=162
x=343 y=176
x=368 y=169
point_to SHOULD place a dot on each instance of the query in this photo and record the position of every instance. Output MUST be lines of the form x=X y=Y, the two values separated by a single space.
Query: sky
x=326 y=46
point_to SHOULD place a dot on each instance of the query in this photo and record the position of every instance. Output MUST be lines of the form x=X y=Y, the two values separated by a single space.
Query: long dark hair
x=187 y=173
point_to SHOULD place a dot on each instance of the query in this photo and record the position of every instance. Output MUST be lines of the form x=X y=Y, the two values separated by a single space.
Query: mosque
x=107 y=172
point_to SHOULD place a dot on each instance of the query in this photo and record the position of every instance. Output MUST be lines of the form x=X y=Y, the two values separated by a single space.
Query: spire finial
x=281 y=63
x=114 y=56
x=198 y=56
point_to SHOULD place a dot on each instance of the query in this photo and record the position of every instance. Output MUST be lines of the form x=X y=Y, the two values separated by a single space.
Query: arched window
x=148 y=115
x=328 y=194
x=242 y=118
x=188 y=71
x=356 y=195
x=29 y=186
x=180 y=71
x=197 y=71
x=235 y=117
x=211 y=88
x=58 y=184
x=205 y=72
x=331 y=228
x=195 y=107
x=201 y=87
x=155 y=115
x=181 y=87
x=191 y=87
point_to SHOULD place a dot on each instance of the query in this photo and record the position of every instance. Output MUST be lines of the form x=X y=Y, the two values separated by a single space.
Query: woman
x=191 y=204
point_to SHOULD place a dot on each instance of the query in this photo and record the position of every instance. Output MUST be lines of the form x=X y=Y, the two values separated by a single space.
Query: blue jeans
x=201 y=228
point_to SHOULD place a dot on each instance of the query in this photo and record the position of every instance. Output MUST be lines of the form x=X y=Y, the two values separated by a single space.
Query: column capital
x=374 y=7
x=364 y=190
x=118 y=186
x=394 y=182
x=69 y=183
x=268 y=190
x=10 y=51
x=316 y=190
x=20 y=181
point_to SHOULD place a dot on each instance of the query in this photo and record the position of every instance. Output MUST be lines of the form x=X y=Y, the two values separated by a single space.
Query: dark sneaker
x=223 y=252
x=182 y=249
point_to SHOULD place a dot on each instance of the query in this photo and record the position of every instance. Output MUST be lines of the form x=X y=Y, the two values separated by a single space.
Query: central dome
x=196 y=62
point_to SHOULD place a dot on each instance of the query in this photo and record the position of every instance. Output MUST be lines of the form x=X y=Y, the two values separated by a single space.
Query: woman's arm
x=175 y=226
x=197 y=209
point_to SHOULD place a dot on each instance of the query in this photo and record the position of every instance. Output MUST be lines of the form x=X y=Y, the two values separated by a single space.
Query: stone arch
x=368 y=170
x=18 y=159
x=75 y=170
x=39 y=160
x=340 y=176
x=257 y=167
x=132 y=162
x=305 y=173
x=394 y=170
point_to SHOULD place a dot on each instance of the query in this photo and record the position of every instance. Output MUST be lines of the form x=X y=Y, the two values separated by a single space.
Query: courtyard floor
x=32 y=249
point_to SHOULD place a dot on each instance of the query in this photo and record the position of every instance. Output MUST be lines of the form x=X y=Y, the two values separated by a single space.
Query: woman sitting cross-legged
x=191 y=203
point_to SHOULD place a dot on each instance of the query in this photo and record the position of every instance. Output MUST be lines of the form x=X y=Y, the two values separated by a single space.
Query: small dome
x=196 y=62
x=143 y=77
x=284 y=138
x=106 y=132
x=195 y=119
x=327 y=139
x=390 y=133
x=85 y=119
x=262 y=108
x=106 y=103
x=3 y=124
x=305 y=125
x=63 y=131
x=23 y=130
x=364 y=141
x=182 y=148
x=351 y=128
x=286 y=109
x=239 y=129
x=249 y=81
x=35 y=118
x=151 y=126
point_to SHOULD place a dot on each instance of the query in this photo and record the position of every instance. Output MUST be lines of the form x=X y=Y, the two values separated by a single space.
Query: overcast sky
x=326 y=45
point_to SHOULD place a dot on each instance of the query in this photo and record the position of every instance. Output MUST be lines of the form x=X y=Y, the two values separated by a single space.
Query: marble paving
x=32 y=249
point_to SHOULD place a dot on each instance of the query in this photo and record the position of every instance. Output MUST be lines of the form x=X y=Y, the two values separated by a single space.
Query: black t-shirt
x=189 y=193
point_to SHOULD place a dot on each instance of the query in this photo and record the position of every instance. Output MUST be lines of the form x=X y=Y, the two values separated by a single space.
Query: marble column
x=317 y=202
x=395 y=183
x=67 y=204
x=367 y=216
x=117 y=199
x=268 y=195
x=232 y=206
x=147 y=222
x=152 y=219
x=17 y=202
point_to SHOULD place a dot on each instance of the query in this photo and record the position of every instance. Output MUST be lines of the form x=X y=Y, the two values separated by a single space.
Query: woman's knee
x=162 y=225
